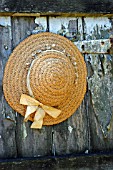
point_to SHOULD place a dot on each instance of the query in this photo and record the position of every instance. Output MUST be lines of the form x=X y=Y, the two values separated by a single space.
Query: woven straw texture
x=57 y=75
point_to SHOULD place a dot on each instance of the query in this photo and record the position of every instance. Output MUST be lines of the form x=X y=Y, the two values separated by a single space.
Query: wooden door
x=90 y=129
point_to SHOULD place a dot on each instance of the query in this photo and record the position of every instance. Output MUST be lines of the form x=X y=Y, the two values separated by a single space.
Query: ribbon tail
x=53 y=112
x=38 y=119
x=29 y=110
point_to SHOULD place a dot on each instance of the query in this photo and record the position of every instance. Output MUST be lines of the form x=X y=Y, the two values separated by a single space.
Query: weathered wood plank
x=31 y=26
x=69 y=27
x=82 y=162
x=56 y=6
x=97 y=28
x=99 y=46
x=100 y=85
x=71 y=136
x=30 y=142
x=7 y=117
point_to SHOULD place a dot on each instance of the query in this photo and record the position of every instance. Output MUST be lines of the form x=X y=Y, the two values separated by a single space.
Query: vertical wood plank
x=100 y=84
x=7 y=116
x=71 y=136
x=30 y=142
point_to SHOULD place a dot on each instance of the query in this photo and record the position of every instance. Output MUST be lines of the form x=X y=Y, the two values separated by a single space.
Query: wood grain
x=100 y=85
x=7 y=117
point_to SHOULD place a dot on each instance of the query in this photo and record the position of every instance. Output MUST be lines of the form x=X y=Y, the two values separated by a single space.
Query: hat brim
x=16 y=70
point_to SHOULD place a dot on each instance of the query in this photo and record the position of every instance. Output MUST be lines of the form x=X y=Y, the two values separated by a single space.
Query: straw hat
x=50 y=68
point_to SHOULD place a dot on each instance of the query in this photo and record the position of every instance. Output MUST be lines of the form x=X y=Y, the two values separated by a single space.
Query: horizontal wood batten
x=63 y=14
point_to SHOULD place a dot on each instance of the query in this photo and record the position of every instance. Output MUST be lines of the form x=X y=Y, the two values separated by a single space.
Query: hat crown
x=52 y=78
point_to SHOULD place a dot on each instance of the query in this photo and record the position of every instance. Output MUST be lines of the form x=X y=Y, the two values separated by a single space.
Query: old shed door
x=90 y=129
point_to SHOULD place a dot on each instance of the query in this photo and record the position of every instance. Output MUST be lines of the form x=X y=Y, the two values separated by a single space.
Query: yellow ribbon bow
x=40 y=109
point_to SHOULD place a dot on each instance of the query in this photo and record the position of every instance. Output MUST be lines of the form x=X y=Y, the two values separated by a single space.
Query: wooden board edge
x=71 y=14
x=90 y=161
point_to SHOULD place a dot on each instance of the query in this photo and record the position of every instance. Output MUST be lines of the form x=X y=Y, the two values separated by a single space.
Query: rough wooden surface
x=85 y=162
x=90 y=129
x=57 y=6
x=7 y=116
x=100 y=84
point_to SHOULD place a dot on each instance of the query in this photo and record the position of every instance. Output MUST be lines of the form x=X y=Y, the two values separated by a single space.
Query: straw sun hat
x=45 y=79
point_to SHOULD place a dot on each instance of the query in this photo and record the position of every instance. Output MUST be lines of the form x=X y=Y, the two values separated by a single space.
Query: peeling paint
x=5 y=21
x=9 y=118
x=93 y=46
x=70 y=128
x=97 y=28
x=87 y=151
x=69 y=27
x=16 y=114
x=1 y=71
x=24 y=131
x=5 y=28
x=3 y=107
x=41 y=25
